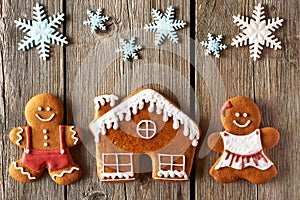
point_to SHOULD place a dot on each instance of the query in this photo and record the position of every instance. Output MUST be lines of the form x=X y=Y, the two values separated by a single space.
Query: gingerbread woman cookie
x=46 y=143
x=243 y=144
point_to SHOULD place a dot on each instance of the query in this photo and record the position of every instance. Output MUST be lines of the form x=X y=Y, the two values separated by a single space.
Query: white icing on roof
x=106 y=98
x=132 y=104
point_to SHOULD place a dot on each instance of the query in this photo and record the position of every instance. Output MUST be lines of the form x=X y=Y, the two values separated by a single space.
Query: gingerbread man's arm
x=215 y=142
x=72 y=136
x=269 y=137
x=18 y=136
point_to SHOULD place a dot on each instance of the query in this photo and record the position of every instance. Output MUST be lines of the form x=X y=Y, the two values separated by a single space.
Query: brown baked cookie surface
x=143 y=124
x=243 y=144
x=45 y=142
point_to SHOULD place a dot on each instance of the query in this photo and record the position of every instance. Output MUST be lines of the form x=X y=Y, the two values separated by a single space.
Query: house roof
x=132 y=104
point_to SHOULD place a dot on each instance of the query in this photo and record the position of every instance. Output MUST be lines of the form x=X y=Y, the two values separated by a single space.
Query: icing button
x=45 y=144
x=45 y=131
x=46 y=137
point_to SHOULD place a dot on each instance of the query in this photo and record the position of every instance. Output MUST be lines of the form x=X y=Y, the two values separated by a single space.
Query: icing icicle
x=73 y=135
x=129 y=107
x=23 y=172
x=65 y=172
x=106 y=98
x=19 y=135
x=172 y=174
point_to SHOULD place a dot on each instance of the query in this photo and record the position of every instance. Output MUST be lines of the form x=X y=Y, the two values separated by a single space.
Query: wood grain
x=25 y=75
x=88 y=66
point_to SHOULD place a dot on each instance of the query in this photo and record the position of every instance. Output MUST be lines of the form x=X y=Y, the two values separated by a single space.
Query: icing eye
x=48 y=108
x=237 y=114
x=40 y=108
x=245 y=115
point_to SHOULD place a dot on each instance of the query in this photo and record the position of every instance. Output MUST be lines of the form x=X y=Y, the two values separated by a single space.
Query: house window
x=117 y=163
x=146 y=129
x=171 y=162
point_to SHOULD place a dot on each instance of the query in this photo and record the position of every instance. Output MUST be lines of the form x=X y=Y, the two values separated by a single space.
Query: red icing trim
x=236 y=157
x=28 y=138
x=62 y=138
x=226 y=106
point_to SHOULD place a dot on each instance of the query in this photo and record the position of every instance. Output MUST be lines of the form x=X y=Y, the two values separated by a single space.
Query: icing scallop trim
x=65 y=172
x=103 y=99
x=172 y=174
x=117 y=175
x=132 y=104
x=23 y=172
x=19 y=135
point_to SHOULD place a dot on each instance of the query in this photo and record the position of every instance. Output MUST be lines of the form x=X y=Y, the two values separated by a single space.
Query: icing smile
x=45 y=120
x=242 y=125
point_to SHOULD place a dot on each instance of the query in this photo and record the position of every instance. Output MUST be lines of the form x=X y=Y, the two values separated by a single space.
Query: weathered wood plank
x=277 y=86
x=217 y=80
x=111 y=74
x=24 y=75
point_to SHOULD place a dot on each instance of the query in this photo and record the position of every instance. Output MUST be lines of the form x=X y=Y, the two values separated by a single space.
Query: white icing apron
x=241 y=151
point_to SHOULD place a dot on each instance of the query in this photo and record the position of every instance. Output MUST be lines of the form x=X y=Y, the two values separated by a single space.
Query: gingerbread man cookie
x=46 y=143
x=243 y=144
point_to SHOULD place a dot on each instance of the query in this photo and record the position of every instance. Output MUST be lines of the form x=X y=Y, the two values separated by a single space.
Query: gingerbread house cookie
x=145 y=123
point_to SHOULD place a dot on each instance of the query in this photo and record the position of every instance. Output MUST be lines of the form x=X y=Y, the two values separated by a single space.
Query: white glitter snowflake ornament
x=129 y=49
x=96 y=20
x=257 y=32
x=213 y=45
x=41 y=31
x=165 y=25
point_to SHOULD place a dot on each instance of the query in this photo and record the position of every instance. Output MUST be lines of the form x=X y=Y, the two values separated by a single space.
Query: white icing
x=73 y=135
x=40 y=108
x=27 y=151
x=45 y=131
x=117 y=175
x=242 y=125
x=19 y=135
x=65 y=172
x=46 y=137
x=237 y=114
x=23 y=172
x=45 y=144
x=45 y=120
x=62 y=151
x=172 y=174
x=147 y=132
x=245 y=115
x=103 y=99
x=243 y=145
x=48 y=108
x=132 y=104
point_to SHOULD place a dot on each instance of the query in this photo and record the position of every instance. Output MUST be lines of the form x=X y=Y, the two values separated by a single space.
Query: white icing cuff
x=65 y=172
x=23 y=171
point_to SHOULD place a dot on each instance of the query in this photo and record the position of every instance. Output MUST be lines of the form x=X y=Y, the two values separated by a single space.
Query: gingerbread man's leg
x=223 y=175
x=20 y=172
x=66 y=175
x=258 y=176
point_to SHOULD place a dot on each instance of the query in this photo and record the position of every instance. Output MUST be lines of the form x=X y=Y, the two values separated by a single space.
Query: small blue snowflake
x=129 y=49
x=96 y=20
x=213 y=45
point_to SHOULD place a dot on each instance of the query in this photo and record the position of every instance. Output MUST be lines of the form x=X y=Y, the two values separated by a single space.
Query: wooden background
x=273 y=82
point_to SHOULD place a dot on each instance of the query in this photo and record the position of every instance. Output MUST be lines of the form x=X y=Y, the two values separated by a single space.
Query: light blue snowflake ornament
x=165 y=26
x=213 y=45
x=96 y=20
x=129 y=49
x=41 y=31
